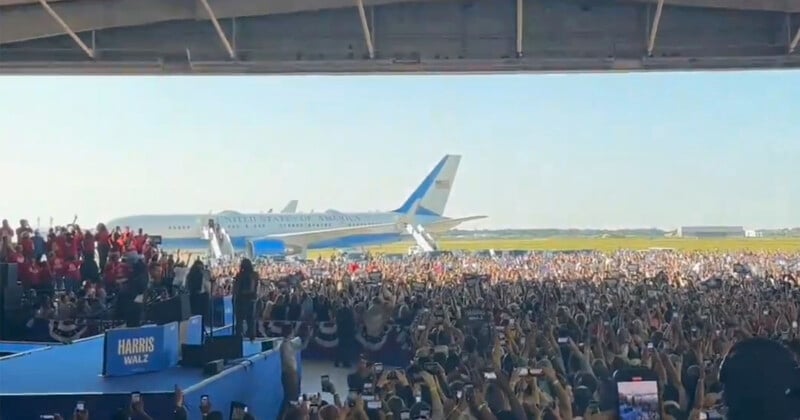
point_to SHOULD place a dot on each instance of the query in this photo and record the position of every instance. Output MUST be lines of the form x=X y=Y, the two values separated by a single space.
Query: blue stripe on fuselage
x=239 y=243
x=352 y=241
x=356 y=241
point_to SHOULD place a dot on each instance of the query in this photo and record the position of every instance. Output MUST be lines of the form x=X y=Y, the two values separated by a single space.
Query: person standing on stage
x=244 y=298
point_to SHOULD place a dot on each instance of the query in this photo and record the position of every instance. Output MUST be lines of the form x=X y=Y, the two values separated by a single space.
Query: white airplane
x=291 y=233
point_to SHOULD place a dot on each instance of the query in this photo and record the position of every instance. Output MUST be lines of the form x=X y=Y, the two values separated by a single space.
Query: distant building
x=711 y=232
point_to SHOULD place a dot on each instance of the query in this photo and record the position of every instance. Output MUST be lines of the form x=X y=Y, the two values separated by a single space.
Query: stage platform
x=52 y=379
x=14 y=348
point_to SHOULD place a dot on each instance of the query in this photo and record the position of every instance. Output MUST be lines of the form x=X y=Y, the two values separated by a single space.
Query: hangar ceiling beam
x=520 y=27
x=67 y=29
x=218 y=28
x=651 y=42
x=795 y=41
x=22 y=23
x=362 y=14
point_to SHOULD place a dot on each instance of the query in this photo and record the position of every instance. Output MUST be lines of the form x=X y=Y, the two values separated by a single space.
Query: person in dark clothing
x=362 y=375
x=294 y=309
x=346 y=331
x=198 y=300
x=244 y=299
x=194 y=279
x=90 y=271
x=128 y=308
x=322 y=309
x=279 y=309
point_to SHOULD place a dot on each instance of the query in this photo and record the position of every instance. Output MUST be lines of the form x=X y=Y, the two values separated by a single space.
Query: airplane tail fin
x=291 y=207
x=433 y=192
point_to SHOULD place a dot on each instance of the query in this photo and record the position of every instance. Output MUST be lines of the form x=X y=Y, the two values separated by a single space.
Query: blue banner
x=150 y=348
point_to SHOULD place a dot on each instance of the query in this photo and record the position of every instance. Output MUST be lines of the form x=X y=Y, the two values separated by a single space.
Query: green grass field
x=605 y=245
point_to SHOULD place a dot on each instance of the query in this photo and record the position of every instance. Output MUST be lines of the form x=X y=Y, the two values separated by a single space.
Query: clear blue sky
x=622 y=150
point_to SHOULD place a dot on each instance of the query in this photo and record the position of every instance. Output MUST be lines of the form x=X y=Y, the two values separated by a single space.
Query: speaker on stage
x=215 y=348
x=10 y=297
x=175 y=309
x=199 y=304
x=8 y=275
x=10 y=289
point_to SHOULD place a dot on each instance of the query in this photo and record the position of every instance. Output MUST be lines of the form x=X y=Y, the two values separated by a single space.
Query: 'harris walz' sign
x=129 y=351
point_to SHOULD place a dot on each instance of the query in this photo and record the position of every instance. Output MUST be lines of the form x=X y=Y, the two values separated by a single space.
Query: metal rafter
x=365 y=27
x=218 y=28
x=651 y=42
x=67 y=29
x=795 y=41
x=520 y=27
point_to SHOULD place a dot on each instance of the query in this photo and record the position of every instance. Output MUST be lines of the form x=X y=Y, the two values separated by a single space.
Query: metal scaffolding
x=67 y=29
x=218 y=28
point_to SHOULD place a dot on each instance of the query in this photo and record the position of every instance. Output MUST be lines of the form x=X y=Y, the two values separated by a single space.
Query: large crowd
x=541 y=335
x=494 y=335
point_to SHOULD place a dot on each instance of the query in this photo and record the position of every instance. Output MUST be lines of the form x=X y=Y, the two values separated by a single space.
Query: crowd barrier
x=255 y=382
x=391 y=347
x=50 y=331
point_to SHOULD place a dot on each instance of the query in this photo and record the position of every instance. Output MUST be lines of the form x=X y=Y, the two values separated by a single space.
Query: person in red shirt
x=15 y=256
x=60 y=245
x=69 y=251
x=28 y=274
x=110 y=270
x=77 y=242
x=28 y=247
x=45 y=278
x=118 y=240
x=139 y=240
x=58 y=269
x=73 y=275
x=130 y=247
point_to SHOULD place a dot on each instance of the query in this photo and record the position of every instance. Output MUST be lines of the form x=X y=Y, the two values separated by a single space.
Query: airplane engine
x=266 y=247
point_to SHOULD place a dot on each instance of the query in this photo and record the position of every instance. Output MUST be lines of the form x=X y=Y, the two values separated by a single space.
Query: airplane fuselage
x=186 y=231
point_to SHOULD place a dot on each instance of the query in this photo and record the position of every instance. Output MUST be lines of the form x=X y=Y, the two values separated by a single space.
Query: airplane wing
x=304 y=239
x=291 y=207
x=447 y=224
